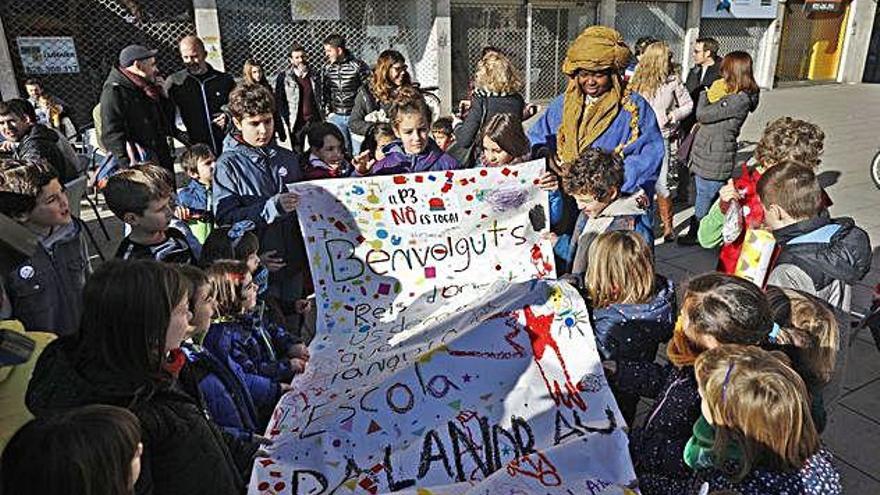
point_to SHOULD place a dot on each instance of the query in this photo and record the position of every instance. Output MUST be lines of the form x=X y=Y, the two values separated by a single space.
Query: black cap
x=133 y=53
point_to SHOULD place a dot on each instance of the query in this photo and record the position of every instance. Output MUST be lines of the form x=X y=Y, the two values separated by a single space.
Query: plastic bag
x=733 y=223
x=757 y=253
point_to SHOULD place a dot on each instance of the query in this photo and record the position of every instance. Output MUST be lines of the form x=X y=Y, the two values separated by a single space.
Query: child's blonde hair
x=497 y=74
x=621 y=270
x=809 y=325
x=758 y=403
x=227 y=281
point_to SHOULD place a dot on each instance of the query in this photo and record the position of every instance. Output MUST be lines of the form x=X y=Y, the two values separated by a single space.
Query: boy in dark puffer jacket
x=821 y=256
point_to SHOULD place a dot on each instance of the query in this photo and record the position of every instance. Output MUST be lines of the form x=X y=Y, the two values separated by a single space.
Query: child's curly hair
x=250 y=100
x=596 y=173
x=787 y=138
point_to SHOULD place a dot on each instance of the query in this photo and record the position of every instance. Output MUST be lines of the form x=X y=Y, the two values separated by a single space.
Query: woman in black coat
x=127 y=354
x=373 y=100
x=497 y=86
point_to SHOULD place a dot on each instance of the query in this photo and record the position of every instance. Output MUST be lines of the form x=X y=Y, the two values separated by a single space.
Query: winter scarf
x=718 y=90
x=698 y=453
x=597 y=48
x=152 y=90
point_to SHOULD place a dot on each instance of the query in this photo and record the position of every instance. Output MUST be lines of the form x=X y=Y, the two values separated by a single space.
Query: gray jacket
x=714 y=152
x=287 y=95
x=46 y=290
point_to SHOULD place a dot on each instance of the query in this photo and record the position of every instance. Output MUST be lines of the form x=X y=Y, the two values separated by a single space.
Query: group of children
x=208 y=316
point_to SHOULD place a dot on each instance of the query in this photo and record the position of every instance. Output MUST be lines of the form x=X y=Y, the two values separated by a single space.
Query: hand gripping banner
x=446 y=360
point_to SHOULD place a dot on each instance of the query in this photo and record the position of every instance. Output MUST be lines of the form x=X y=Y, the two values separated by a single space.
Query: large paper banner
x=446 y=359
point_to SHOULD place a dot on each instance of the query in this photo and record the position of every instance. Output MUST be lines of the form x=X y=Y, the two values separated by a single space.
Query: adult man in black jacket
x=199 y=91
x=136 y=115
x=28 y=140
x=706 y=70
x=341 y=79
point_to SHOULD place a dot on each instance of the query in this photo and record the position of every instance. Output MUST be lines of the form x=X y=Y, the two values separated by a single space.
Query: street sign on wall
x=824 y=6
x=48 y=55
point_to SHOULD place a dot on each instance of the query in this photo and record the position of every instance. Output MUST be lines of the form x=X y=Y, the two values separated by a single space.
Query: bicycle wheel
x=875 y=170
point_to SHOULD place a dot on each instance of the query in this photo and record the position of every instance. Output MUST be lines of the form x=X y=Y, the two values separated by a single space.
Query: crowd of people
x=157 y=372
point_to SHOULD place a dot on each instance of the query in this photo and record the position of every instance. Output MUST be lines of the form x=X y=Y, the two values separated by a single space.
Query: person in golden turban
x=596 y=111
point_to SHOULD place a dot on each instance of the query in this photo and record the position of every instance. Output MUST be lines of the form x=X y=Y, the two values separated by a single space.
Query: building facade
x=71 y=44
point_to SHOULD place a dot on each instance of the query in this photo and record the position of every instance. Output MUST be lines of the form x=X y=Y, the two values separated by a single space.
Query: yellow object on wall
x=826 y=52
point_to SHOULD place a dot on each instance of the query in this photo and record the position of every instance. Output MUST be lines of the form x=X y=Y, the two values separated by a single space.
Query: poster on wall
x=740 y=9
x=315 y=10
x=447 y=358
x=48 y=55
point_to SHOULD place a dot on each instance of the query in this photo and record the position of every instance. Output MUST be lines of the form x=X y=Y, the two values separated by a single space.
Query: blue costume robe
x=641 y=159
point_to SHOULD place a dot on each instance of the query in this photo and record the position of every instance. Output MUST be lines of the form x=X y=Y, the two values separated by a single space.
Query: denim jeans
x=341 y=121
x=707 y=190
x=661 y=187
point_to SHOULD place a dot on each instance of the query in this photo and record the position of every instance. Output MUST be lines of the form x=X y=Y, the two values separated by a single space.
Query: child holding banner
x=326 y=156
x=717 y=309
x=271 y=336
x=214 y=382
x=504 y=143
x=251 y=179
x=632 y=308
x=416 y=152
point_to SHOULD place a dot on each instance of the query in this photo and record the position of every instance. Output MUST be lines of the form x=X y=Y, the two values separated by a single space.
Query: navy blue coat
x=222 y=388
x=817 y=476
x=265 y=350
x=222 y=341
x=632 y=332
x=657 y=447
x=247 y=182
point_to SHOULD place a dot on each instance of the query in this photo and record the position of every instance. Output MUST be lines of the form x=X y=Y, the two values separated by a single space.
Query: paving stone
x=863 y=367
x=856 y=482
x=865 y=399
x=854 y=439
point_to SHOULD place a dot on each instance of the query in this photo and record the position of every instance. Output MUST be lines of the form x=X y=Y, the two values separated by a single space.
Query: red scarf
x=174 y=362
x=152 y=90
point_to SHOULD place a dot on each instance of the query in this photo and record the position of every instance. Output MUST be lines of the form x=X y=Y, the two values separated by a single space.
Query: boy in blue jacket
x=194 y=200
x=250 y=183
